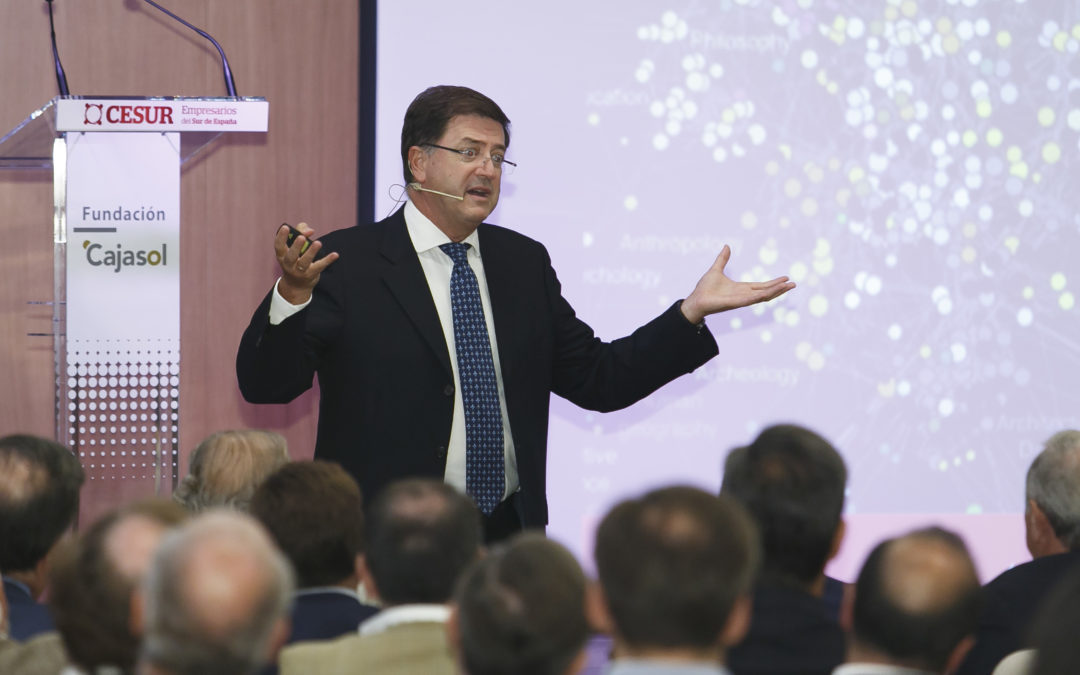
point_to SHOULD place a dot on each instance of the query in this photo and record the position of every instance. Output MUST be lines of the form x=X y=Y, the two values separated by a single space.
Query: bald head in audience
x=94 y=579
x=916 y=603
x=216 y=599
x=228 y=466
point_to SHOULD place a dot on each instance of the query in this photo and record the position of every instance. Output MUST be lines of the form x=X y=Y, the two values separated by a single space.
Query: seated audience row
x=688 y=582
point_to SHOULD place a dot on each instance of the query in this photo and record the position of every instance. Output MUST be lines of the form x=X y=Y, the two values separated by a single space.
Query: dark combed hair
x=39 y=497
x=672 y=565
x=521 y=610
x=314 y=512
x=90 y=598
x=431 y=111
x=422 y=535
x=918 y=638
x=792 y=481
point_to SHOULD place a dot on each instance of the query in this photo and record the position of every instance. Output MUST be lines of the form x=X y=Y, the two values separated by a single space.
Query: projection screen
x=913 y=166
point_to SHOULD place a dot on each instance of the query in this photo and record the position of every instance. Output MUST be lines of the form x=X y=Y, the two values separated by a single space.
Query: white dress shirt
x=876 y=669
x=438 y=266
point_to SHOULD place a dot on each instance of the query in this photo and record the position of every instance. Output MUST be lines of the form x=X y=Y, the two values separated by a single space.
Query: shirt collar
x=318 y=590
x=19 y=585
x=874 y=668
x=660 y=667
x=395 y=616
x=425 y=235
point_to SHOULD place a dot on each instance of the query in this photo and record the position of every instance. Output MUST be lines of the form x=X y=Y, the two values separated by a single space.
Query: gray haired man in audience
x=215 y=599
x=675 y=568
x=227 y=466
x=1052 y=522
x=521 y=611
x=915 y=607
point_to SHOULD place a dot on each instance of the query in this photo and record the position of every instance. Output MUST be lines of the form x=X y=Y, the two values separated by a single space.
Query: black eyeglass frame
x=470 y=155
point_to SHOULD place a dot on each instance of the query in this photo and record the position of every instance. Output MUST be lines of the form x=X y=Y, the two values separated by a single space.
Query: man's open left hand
x=715 y=292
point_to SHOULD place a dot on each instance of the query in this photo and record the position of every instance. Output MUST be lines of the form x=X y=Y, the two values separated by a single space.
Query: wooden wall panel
x=300 y=56
x=26 y=364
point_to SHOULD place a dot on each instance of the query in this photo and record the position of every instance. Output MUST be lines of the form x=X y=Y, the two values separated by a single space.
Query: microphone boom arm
x=230 y=84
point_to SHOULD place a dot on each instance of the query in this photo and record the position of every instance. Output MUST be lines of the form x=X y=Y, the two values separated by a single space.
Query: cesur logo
x=95 y=113
x=92 y=114
x=98 y=256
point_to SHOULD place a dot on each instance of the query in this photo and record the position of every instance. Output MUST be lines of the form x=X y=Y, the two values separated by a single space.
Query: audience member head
x=422 y=535
x=791 y=480
x=227 y=466
x=431 y=111
x=39 y=498
x=675 y=568
x=314 y=512
x=917 y=602
x=215 y=599
x=93 y=581
x=521 y=611
x=1052 y=513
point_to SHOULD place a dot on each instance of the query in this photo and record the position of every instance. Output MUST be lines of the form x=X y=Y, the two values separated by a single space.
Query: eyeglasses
x=470 y=155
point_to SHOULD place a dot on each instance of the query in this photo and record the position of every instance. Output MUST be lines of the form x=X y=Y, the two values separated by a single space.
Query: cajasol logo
x=119 y=257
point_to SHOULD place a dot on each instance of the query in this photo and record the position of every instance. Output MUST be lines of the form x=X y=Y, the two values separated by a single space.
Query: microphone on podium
x=61 y=77
x=230 y=84
x=416 y=186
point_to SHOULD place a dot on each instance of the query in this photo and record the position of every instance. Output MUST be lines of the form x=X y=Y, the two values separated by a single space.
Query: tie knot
x=458 y=252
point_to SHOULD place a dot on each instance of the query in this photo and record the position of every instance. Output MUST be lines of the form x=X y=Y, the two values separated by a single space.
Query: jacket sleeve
x=606 y=376
x=275 y=364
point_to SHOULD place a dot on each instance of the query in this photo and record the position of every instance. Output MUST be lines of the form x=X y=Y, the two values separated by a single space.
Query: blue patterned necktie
x=484 y=460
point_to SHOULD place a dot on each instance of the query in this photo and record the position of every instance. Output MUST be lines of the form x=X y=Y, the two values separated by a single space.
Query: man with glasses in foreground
x=438 y=339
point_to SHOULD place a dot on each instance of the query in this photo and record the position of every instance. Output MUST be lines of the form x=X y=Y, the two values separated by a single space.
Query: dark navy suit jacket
x=372 y=334
x=326 y=614
x=1010 y=604
x=791 y=633
x=28 y=618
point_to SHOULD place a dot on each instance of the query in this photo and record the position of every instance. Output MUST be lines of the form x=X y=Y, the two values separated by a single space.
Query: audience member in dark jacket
x=314 y=511
x=791 y=480
x=39 y=497
x=1052 y=524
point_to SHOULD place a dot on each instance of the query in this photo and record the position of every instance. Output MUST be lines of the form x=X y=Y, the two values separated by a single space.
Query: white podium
x=116 y=166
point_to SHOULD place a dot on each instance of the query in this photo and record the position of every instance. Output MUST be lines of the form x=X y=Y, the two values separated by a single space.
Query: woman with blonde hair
x=228 y=466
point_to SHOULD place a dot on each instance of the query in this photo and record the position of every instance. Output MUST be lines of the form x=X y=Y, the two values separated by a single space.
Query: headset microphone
x=420 y=188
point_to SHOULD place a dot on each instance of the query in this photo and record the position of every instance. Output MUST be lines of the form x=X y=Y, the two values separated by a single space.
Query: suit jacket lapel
x=505 y=301
x=405 y=279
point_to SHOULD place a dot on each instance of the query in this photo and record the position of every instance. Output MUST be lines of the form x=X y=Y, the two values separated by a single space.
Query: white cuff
x=280 y=308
